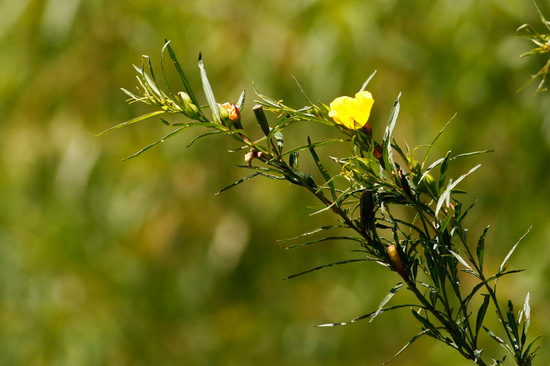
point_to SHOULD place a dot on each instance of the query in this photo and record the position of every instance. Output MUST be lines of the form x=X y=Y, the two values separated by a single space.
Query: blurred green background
x=104 y=262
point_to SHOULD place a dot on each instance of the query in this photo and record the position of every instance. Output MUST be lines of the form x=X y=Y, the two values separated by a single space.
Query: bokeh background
x=105 y=262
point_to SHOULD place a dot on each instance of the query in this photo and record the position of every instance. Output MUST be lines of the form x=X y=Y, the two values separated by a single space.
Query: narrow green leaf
x=293 y=160
x=463 y=155
x=317 y=230
x=152 y=85
x=315 y=144
x=280 y=141
x=132 y=121
x=481 y=248
x=365 y=316
x=527 y=321
x=430 y=146
x=498 y=340
x=446 y=195
x=301 y=179
x=481 y=313
x=208 y=93
x=384 y=301
x=132 y=96
x=160 y=141
x=367 y=81
x=425 y=321
x=240 y=102
x=244 y=179
x=424 y=332
x=443 y=169
x=387 y=148
x=181 y=74
x=460 y=259
x=328 y=238
x=203 y=136
x=325 y=266
x=512 y=325
x=505 y=261
x=324 y=173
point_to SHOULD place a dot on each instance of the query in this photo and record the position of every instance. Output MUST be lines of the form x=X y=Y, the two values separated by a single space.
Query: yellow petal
x=342 y=110
x=365 y=105
x=353 y=113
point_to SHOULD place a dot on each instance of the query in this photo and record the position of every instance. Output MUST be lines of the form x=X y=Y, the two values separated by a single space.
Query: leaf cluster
x=402 y=213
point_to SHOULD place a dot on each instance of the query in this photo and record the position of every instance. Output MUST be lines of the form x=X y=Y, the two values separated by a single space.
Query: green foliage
x=138 y=263
x=427 y=248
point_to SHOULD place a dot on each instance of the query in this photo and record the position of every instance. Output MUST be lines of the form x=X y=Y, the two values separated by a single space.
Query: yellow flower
x=352 y=113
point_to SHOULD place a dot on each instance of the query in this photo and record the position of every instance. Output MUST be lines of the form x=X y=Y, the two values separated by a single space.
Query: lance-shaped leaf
x=446 y=195
x=244 y=179
x=365 y=316
x=498 y=340
x=132 y=121
x=326 y=175
x=480 y=250
x=460 y=259
x=481 y=313
x=208 y=93
x=150 y=146
x=367 y=81
x=181 y=74
x=325 y=266
x=315 y=231
x=328 y=238
x=430 y=146
x=387 y=148
x=527 y=321
x=504 y=263
x=261 y=118
x=424 y=332
x=385 y=300
x=443 y=170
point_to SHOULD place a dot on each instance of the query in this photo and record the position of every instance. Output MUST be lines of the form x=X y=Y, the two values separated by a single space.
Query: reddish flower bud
x=377 y=153
x=233 y=112
x=230 y=114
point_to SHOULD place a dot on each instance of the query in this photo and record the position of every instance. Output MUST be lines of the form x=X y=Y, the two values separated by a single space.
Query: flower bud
x=377 y=153
x=189 y=109
x=396 y=261
x=367 y=129
x=230 y=114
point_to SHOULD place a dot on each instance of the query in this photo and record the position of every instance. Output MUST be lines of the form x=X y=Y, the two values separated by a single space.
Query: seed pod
x=261 y=118
x=366 y=210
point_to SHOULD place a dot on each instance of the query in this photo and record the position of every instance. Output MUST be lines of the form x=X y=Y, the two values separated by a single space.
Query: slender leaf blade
x=132 y=121
x=325 y=266
x=481 y=313
x=208 y=93
x=387 y=298
x=505 y=261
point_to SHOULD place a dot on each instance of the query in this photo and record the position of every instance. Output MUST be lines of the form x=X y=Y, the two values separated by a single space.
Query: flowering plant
x=401 y=211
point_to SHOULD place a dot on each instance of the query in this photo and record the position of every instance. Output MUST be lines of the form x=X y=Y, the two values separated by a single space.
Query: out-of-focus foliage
x=110 y=262
x=541 y=46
